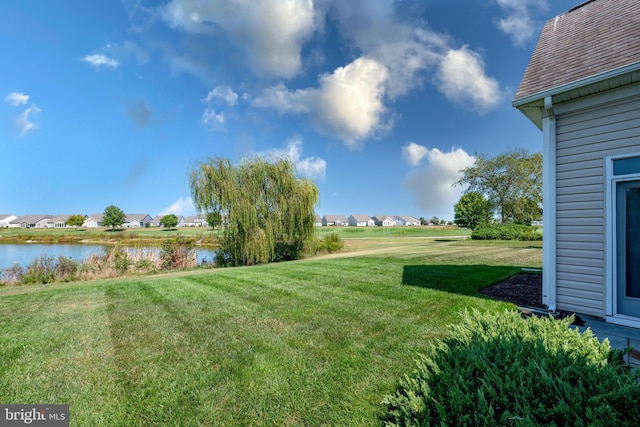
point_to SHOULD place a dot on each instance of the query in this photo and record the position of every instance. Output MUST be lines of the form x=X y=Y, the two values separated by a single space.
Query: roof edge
x=629 y=68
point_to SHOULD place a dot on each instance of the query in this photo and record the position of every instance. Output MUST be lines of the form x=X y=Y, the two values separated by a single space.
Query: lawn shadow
x=457 y=279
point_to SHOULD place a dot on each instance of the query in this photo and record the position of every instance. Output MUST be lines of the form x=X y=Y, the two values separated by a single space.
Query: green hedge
x=508 y=231
x=500 y=369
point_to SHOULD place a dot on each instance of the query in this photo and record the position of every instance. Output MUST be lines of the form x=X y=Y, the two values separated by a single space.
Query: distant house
x=5 y=219
x=94 y=220
x=31 y=221
x=58 y=221
x=195 y=221
x=334 y=220
x=384 y=221
x=582 y=90
x=406 y=220
x=136 y=220
x=318 y=221
x=155 y=222
x=358 y=220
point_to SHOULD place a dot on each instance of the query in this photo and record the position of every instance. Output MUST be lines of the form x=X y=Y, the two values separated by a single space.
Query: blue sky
x=380 y=102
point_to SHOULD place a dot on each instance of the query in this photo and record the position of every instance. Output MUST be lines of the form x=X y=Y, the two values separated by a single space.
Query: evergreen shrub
x=503 y=370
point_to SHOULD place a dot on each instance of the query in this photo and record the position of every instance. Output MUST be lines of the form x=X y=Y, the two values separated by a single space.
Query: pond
x=24 y=254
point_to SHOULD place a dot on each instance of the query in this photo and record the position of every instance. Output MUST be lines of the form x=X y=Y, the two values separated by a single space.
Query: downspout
x=549 y=270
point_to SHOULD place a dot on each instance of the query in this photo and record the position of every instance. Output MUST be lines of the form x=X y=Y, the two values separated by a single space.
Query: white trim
x=549 y=267
x=596 y=78
x=623 y=320
x=611 y=288
x=610 y=277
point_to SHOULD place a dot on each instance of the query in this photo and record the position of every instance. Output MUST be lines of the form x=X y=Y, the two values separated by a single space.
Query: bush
x=66 y=269
x=331 y=243
x=530 y=234
x=121 y=260
x=507 y=231
x=284 y=251
x=500 y=369
x=41 y=270
x=178 y=253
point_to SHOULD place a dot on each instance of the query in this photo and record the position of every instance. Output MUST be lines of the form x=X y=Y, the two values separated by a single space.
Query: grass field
x=312 y=342
x=156 y=234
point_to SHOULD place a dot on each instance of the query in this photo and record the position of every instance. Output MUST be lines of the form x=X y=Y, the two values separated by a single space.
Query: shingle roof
x=333 y=218
x=136 y=217
x=361 y=218
x=30 y=219
x=60 y=218
x=593 y=38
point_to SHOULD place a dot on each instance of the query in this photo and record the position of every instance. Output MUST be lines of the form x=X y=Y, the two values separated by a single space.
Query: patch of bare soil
x=524 y=290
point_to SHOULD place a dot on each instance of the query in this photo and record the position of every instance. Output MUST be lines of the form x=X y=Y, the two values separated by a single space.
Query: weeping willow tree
x=266 y=205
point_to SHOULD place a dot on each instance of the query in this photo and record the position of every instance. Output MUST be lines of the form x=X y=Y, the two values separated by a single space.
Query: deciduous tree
x=512 y=182
x=169 y=221
x=214 y=219
x=472 y=210
x=266 y=205
x=75 y=220
x=113 y=216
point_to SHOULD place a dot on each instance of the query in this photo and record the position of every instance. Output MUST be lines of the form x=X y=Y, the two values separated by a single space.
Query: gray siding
x=583 y=139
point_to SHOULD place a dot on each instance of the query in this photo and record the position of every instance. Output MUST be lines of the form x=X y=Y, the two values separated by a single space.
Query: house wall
x=587 y=131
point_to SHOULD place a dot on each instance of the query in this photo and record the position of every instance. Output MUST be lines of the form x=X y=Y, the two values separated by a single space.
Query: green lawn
x=400 y=231
x=313 y=342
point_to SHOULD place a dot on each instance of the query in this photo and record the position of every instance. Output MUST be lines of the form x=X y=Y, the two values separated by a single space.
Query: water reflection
x=24 y=254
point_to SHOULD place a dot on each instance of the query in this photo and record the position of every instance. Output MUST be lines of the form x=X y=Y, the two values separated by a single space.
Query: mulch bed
x=524 y=290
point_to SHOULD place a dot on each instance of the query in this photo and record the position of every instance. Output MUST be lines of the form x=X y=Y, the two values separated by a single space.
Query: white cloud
x=407 y=51
x=222 y=94
x=354 y=102
x=283 y=100
x=24 y=120
x=271 y=32
x=184 y=207
x=414 y=153
x=16 y=98
x=311 y=167
x=432 y=185
x=212 y=119
x=462 y=79
x=99 y=60
x=518 y=22
x=348 y=102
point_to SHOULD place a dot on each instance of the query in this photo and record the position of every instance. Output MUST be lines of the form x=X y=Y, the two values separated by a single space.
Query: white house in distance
x=59 y=221
x=406 y=221
x=384 y=221
x=93 y=220
x=335 y=220
x=582 y=90
x=30 y=221
x=5 y=219
x=358 y=220
x=195 y=221
x=136 y=220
